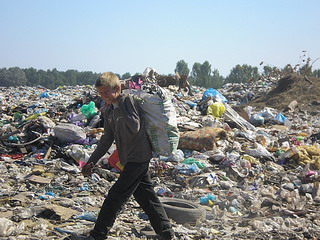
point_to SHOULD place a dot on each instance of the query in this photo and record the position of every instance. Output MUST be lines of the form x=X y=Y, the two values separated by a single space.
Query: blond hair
x=108 y=79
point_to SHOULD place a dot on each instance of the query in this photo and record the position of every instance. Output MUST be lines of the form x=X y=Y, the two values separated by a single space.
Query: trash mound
x=305 y=90
x=228 y=179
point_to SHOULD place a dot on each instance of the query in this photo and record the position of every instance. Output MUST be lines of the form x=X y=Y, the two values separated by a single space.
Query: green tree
x=196 y=74
x=86 y=78
x=182 y=68
x=127 y=75
x=217 y=80
x=32 y=76
x=46 y=79
x=71 y=77
x=58 y=78
x=201 y=74
x=14 y=76
x=42 y=77
x=316 y=73
x=242 y=74
x=4 y=77
x=206 y=74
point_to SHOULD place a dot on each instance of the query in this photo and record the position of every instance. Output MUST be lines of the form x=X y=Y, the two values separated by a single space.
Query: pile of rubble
x=252 y=172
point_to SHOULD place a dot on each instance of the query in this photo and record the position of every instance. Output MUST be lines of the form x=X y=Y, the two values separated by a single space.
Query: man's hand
x=87 y=169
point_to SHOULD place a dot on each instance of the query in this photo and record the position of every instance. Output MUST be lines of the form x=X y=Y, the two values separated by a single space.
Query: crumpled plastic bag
x=10 y=228
x=259 y=151
x=216 y=109
x=211 y=92
x=88 y=110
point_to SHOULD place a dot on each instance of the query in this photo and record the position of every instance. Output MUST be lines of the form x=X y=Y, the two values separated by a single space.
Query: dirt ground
x=305 y=90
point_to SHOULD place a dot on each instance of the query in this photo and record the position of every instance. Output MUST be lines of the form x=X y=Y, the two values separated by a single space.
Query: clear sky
x=130 y=35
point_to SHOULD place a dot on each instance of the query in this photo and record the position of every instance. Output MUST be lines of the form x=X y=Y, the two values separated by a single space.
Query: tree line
x=50 y=79
x=202 y=75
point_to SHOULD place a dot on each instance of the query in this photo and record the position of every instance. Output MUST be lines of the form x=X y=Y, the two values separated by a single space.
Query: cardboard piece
x=39 y=179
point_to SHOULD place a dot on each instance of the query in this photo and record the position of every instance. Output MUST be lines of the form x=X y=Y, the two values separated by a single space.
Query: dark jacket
x=125 y=124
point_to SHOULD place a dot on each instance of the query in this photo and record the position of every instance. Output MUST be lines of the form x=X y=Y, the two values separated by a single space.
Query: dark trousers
x=134 y=179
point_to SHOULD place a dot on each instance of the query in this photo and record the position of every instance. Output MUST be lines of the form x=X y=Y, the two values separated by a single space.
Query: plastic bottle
x=287 y=123
x=94 y=121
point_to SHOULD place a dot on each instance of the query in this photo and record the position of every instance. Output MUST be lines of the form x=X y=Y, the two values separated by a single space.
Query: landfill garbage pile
x=243 y=169
x=242 y=93
x=301 y=91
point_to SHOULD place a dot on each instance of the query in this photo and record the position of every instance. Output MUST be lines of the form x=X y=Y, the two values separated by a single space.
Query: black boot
x=166 y=235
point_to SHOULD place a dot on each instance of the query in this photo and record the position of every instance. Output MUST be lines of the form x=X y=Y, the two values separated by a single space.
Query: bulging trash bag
x=88 y=110
x=161 y=119
x=69 y=133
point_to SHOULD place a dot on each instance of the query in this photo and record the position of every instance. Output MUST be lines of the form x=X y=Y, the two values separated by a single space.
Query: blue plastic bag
x=44 y=95
x=211 y=92
x=190 y=103
x=280 y=118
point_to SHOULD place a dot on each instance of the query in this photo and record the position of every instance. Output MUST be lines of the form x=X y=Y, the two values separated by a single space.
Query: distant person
x=125 y=124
